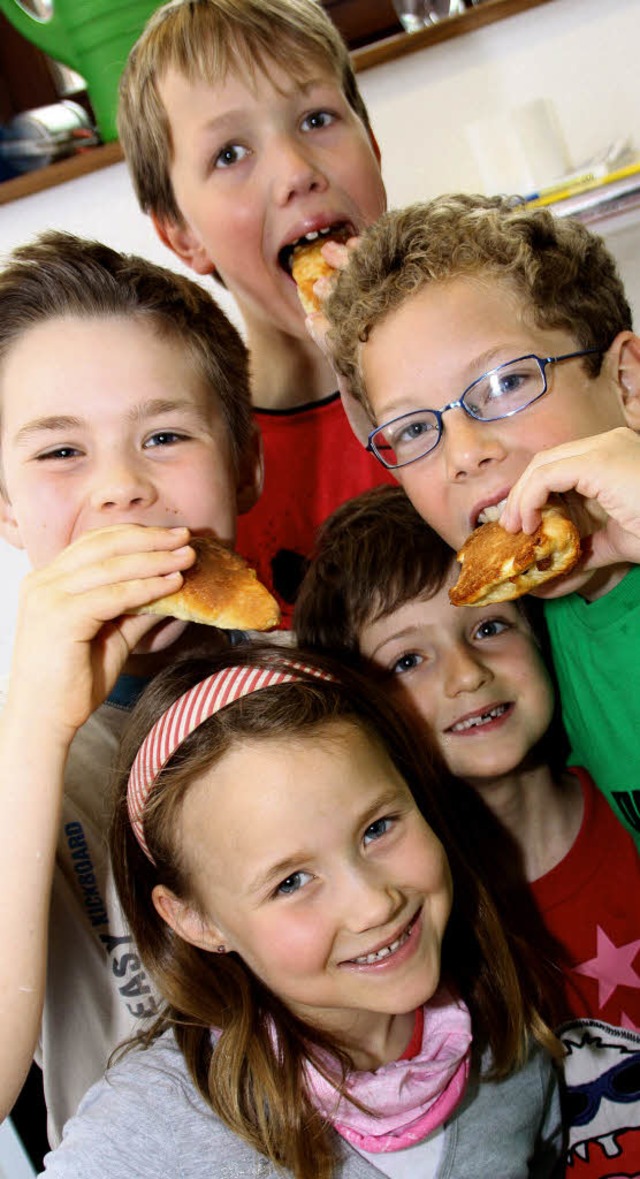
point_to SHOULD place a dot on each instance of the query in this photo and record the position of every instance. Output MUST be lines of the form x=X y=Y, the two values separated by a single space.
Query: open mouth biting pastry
x=307 y=266
x=498 y=565
x=219 y=589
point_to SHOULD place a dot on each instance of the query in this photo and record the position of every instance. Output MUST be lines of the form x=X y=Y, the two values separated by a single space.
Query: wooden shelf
x=363 y=59
x=483 y=14
x=89 y=161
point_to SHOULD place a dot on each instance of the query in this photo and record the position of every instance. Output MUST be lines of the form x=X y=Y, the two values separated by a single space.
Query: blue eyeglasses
x=499 y=393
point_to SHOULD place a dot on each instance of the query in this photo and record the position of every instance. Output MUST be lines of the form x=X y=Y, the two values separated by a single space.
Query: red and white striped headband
x=184 y=715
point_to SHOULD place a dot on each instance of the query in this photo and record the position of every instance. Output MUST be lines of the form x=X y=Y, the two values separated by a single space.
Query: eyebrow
x=481 y=364
x=397 y=636
x=47 y=424
x=290 y=864
x=217 y=123
x=57 y=422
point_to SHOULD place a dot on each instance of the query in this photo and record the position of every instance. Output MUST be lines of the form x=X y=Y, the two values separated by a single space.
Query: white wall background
x=579 y=55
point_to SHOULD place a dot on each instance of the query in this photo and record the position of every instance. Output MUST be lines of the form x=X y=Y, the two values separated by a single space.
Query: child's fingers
x=115 y=555
x=99 y=544
x=317 y=326
x=588 y=466
x=337 y=254
x=128 y=569
x=107 y=601
x=602 y=471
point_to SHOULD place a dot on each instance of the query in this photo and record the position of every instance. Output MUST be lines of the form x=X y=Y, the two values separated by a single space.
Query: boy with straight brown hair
x=245 y=133
x=490 y=350
x=125 y=428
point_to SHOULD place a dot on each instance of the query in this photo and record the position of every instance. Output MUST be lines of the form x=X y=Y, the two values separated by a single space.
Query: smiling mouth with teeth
x=386 y=951
x=336 y=233
x=483 y=718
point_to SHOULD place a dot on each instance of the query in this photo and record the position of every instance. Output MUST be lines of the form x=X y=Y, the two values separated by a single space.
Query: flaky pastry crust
x=219 y=589
x=498 y=565
x=308 y=265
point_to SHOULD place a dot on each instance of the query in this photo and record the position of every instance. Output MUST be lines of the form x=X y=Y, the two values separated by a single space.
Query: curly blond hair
x=561 y=271
x=206 y=40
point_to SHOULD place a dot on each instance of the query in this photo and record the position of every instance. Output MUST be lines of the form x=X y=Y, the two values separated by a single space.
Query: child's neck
x=286 y=371
x=541 y=813
x=372 y=1039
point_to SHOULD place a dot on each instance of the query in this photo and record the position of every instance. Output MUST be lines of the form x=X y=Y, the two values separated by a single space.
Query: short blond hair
x=563 y=273
x=207 y=40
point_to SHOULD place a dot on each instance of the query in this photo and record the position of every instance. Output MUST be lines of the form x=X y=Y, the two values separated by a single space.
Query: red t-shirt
x=313 y=463
x=590 y=902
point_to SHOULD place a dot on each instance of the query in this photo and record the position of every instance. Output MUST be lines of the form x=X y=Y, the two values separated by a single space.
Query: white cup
x=519 y=150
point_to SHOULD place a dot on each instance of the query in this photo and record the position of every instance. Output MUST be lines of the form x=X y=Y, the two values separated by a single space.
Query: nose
x=121 y=484
x=370 y=899
x=469 y=446
x=464 y=671
x=297 y=174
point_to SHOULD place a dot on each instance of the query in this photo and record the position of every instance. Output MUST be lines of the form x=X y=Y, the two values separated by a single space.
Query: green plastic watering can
x=93 y=37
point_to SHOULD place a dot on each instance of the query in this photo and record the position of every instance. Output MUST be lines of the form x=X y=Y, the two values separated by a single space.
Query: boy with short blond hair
x=377 y=590
x=490 y=349
x=245 y=133
x=126 y=425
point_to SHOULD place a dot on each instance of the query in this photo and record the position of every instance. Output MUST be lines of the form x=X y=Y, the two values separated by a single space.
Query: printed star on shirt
x=611 y=967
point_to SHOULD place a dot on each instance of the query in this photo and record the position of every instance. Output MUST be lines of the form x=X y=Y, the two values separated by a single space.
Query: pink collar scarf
x=411 y=1097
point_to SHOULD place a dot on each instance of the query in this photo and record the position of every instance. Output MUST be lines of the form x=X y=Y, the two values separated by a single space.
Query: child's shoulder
x=145 y=1117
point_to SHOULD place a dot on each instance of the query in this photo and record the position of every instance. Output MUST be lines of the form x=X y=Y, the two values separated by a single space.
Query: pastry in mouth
x=498 y=566
x=219 y=589
x=308 y=265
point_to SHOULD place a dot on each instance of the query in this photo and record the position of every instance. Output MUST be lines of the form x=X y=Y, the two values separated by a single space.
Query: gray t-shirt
x=145 y=1119
x=97 y=991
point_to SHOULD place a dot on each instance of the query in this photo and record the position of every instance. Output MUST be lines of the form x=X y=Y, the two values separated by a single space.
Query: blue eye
x=405 y=663
x=512 y=383
x=293 y=883
x=377 y=830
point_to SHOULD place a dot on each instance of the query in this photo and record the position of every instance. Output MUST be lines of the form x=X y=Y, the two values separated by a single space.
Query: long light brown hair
x=255 y=1085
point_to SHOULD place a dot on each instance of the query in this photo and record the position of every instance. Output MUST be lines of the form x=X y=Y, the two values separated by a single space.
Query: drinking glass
x=419 y=14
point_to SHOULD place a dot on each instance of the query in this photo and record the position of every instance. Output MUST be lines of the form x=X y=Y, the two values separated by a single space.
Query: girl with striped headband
x=344 y=996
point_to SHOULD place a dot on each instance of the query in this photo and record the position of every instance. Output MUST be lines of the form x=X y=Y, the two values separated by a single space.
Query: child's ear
x=9 y=529
x=375 y=145
x=183 y=242
x=250 y=473
x=185 y=920
x=625 y=353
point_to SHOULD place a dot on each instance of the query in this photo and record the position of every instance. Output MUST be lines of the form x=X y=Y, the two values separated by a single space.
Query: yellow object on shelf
x=590 y=180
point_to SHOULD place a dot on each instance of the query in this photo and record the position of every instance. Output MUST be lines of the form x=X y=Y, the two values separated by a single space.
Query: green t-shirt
x=596 y=652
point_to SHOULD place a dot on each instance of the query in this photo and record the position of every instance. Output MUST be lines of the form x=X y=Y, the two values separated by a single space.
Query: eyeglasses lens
x=505 y=390
x=408 y=438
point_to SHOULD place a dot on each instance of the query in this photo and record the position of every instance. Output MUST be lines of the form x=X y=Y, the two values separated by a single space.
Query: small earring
x=221 y=949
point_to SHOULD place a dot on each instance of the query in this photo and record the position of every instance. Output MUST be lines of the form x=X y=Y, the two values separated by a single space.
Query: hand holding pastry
x=498 y=566
x=75 y=628
x=601 y=478
x=219 y=589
